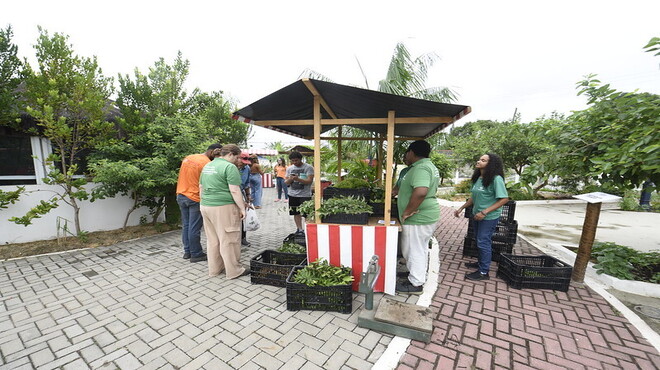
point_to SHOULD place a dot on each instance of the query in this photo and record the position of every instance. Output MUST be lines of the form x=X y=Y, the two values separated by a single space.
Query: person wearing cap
x=187 y=196
x=419 y=212
x=244 y=169
x=256 y=173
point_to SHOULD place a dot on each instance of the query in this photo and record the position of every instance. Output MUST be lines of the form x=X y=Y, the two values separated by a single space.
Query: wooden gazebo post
x=388 y=171
x=317 y=155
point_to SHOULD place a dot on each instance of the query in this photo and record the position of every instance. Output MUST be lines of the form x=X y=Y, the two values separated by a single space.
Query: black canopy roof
x=295 y=102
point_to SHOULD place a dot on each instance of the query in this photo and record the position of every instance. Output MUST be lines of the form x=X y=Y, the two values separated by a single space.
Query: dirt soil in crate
x=91 y=240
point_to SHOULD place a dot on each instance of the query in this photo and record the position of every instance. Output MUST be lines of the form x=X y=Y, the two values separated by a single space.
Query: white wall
x=106 y=214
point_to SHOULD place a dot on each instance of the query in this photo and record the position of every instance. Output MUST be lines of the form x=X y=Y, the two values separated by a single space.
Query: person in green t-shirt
x=488 y=196
x=223 y=210
x=419 y=212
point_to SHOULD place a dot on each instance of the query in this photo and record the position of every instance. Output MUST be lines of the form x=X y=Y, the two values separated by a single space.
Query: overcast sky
x=498 y=55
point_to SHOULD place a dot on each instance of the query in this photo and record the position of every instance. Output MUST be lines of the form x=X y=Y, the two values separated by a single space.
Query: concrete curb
x=600 y=286
x=397 y=347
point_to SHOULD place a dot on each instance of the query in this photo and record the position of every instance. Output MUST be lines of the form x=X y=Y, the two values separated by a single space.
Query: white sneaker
x=277 y=200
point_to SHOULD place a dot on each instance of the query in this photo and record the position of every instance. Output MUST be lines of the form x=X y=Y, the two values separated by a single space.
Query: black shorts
x=294 y=202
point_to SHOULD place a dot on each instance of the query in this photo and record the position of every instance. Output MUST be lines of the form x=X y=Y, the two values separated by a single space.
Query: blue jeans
x=281 y=186
x=192 y=222
x=255 y=188
x=483 y=231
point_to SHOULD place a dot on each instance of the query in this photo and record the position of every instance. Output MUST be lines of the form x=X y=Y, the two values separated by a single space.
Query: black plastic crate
x=332 y=192
x=499 y=247
x=508 y=212
x=296 y=238
x=535 y=272
x=379 y=209
x=338 y=298
x=345 y=218
x=267 y=268
x=506 y=232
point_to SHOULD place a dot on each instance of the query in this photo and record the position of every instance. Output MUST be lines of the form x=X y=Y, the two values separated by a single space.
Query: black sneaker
x=407 y=288
x=186 y=256
x=199 y=259
x=300 y=232
x=472 y=265
x=245 y=243
x=477 y=276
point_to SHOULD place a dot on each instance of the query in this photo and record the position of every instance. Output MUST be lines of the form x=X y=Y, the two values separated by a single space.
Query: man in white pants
x=419 y=213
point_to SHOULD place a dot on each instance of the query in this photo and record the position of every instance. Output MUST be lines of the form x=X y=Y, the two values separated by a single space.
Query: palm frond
x=437 y=94
x=308 y=73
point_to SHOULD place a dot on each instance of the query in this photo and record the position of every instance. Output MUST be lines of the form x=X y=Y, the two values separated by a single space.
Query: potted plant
x=320 y=286
x=271 y=267
x=340 y=210
x=350 y=187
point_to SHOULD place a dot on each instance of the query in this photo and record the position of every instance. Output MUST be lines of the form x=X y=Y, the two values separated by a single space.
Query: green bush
x=626 y=263
x=630 y=201
x=520 y=194
x=463 y=186
x=353 y=183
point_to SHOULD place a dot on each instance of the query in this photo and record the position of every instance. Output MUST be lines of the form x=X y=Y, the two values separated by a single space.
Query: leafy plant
x=626 y=263
x=291 y=247
x=463 y=186
x=10 y=197
x=353 y=183
x=321 y=273
x=377 y=194
x=333 y=206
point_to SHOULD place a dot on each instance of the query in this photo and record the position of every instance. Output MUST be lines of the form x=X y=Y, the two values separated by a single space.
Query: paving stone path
x=138 y=304
x=487 y=325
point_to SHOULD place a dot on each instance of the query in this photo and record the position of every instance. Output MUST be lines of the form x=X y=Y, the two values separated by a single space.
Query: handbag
x=251 y=220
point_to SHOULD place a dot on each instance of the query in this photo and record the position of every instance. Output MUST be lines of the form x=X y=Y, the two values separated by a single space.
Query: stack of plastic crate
x=504 y=237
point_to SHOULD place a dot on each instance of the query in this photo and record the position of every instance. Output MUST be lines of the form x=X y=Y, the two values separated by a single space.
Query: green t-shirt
x=421 y=174
x=402 y=174
x=483 y=198
x=215 y=180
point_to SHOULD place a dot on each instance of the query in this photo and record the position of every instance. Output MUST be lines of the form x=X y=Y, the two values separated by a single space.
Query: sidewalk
x=487 y=325
x=138 y=304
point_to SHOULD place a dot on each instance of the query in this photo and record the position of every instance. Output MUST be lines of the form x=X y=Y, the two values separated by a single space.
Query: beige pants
x=222 y=226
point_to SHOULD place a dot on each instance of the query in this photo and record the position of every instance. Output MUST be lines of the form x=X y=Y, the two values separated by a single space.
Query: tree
x=158 y=93
x=444 y=164
x=161 y=125
x=407 y=77
x=145 y=165
x=68 y=97
x=617 y=139
x=11 y=70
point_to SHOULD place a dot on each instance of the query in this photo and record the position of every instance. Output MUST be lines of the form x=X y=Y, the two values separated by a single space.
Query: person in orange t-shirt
x=187 y=196
x=280 y=176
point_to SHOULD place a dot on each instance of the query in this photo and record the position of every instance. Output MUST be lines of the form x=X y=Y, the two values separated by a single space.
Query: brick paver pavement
x=138 y=304
x=487 y=325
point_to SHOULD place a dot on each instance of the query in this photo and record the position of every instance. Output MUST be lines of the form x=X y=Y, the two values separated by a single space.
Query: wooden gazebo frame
x=288 y=111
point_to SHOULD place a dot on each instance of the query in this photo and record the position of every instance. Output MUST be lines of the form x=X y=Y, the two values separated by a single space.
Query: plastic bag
x=251 y=220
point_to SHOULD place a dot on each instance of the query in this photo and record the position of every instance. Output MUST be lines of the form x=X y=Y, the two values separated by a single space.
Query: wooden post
x=586 y=241
x=389 y=170
x=339 y=154
x=379 y=162
x=317 y=156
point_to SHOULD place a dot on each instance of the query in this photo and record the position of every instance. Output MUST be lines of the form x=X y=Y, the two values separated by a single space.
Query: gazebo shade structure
x=307 y=108
x=290 y=110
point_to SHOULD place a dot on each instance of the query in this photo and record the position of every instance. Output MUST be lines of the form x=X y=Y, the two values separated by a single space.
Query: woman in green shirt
x=488 y=196
x=223 y=210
